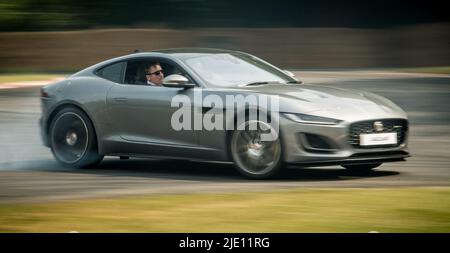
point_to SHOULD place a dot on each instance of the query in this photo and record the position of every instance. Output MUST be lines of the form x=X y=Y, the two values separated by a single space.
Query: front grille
x=389 y=126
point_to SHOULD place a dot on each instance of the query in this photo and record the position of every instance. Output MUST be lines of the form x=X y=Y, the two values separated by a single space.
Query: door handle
x=121 y=99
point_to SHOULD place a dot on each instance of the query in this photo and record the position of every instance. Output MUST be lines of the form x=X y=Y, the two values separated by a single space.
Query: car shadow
x=200 y=171
x=183 y=169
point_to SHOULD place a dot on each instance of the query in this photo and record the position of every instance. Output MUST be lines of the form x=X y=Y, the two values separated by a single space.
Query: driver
x=154 y=74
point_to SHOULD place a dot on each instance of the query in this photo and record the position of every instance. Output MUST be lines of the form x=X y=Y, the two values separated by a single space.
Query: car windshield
x=231 y=70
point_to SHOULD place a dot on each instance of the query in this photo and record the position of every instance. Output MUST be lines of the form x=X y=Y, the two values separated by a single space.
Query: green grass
x=8 y=78
x=302 y=210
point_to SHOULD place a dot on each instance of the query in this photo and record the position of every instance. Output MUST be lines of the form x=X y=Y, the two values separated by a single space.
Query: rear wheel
x=73 y=139
x=361 y=168
x=252 y=156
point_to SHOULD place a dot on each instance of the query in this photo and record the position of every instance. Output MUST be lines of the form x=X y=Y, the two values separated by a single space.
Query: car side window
x=136 y=70
x=113 y=72
x=135 y=73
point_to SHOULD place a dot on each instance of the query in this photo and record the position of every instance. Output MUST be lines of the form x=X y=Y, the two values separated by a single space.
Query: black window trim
x=141 y=58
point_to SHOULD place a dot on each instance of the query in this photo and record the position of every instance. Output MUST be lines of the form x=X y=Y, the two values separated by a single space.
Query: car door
x=142 y=114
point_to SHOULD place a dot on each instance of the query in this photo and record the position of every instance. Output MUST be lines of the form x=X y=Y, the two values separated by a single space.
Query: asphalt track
x=28 y=172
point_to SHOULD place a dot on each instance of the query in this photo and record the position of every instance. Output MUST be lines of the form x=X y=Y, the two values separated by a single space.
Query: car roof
x=192 y=50
x=183 y=53
x=178 y=53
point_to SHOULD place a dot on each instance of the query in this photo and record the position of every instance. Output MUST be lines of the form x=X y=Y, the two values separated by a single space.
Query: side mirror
x=177 y=81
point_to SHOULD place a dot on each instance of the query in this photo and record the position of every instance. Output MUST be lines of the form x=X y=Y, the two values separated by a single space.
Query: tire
x=73 y=140
x=252 y=157
x=361 y=168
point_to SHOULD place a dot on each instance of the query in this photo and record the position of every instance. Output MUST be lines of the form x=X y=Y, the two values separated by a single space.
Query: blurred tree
x=40 y=15
x=71 y=14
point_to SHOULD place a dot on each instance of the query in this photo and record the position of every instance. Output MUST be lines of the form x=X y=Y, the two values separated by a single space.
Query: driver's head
x=155 y=73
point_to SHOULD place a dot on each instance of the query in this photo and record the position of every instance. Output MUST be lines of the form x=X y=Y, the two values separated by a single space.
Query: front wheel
x=73 y=140
x=253 y=157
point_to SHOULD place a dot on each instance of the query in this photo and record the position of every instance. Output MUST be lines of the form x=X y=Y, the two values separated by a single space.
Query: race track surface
x=28 y=172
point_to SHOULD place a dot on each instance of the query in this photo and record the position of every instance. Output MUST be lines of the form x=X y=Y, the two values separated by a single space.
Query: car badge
x=378 y=126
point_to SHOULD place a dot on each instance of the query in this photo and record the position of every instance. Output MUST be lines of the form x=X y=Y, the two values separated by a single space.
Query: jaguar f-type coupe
x=109 y=109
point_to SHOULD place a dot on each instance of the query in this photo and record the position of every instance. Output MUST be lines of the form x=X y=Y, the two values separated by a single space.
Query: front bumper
x=297 y=151
x=358 y=159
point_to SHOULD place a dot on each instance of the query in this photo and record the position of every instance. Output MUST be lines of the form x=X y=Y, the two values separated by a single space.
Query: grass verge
x=10 y=78
x=302 y=210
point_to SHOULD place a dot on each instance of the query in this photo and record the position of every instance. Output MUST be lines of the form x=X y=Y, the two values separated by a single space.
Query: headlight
x=310 y=119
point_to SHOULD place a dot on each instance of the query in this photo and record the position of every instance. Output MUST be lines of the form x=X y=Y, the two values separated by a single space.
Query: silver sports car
x=217 y=105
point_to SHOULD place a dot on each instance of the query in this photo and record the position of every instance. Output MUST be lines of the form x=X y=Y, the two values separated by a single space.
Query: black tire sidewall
x=271 y=173
x=90 y=156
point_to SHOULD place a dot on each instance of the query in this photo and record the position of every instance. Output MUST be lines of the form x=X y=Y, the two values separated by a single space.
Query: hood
x=343 y=104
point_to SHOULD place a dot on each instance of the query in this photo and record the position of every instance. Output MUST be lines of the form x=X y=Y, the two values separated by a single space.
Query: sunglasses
x=157 y=73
